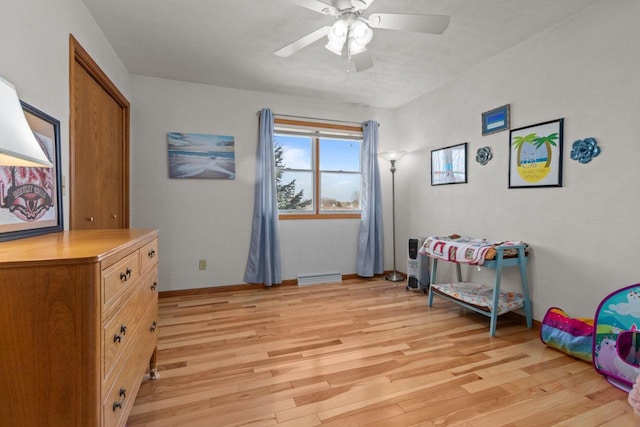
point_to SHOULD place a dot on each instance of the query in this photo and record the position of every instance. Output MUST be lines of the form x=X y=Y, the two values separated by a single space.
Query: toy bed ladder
x=493 y=295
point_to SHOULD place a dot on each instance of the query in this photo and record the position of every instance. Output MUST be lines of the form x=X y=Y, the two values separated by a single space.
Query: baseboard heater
x=316 y=279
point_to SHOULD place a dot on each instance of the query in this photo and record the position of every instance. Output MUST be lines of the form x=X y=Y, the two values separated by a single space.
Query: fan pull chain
x=348 y=54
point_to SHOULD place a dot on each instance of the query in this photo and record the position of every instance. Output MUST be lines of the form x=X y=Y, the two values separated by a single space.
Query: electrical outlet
x=202 y=264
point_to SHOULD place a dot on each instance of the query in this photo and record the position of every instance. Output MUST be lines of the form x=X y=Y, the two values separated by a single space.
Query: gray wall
x=211 y=219
x=584 y=236
x=35 y=58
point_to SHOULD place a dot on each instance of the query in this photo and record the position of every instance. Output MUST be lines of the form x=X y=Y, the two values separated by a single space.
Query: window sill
x=320 y=216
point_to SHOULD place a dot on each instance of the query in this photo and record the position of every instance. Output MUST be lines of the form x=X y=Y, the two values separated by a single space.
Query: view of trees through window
x=289 y=198
x=309 y=168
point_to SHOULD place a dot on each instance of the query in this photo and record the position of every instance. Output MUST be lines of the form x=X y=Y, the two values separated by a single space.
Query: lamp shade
x=18 y=145
x=393 y=155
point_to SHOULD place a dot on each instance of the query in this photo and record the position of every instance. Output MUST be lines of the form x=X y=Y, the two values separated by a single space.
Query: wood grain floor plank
x=614 y=413
x=363 y=352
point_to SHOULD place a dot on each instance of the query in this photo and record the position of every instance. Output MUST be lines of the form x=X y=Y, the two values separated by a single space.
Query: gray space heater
x=417 y=267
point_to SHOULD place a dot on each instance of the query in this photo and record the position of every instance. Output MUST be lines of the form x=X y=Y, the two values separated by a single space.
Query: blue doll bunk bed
x=487 y=300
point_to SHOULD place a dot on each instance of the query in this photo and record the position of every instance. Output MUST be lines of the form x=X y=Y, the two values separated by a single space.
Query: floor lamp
x=393 y=156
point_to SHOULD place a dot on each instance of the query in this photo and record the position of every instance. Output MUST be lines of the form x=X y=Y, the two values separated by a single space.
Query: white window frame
x=316 y=131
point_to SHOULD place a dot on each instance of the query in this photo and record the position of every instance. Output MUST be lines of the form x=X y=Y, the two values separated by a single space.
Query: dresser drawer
x=149 y=255
x=150 y=285
x=122 y=392
x=122 y=389
x=149 y=323
x=119 y=276
x=149 y=331
x=123 y=329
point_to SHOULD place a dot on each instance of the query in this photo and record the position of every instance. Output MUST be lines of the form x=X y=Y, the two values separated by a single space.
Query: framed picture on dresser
x=31 y=197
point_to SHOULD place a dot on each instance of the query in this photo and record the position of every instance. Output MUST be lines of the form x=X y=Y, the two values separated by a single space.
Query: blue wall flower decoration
x=583 y=150
x=483 y=155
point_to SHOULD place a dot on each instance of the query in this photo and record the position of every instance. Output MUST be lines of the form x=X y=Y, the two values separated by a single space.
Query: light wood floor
x=361 y=353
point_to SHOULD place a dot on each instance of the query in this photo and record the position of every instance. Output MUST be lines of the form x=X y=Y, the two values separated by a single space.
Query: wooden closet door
x=99 y=172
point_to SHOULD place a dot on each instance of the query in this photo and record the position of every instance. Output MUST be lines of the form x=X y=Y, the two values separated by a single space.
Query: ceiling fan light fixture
x=339 y=29
x=355 y=47
x=335 y=47
x=337 y=36
x=361 y=33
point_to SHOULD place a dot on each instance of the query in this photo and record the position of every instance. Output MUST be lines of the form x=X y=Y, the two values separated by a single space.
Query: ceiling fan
x=352 y=31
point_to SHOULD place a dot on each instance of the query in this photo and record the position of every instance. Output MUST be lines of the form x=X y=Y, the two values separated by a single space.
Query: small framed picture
x=535 y=155
x=449 y=165
x=496 y=120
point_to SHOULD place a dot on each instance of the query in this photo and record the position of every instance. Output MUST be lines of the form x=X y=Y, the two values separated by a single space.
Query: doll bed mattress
x=479 y=296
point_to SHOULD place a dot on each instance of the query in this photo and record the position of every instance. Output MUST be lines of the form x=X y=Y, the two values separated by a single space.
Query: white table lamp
x=18 y=145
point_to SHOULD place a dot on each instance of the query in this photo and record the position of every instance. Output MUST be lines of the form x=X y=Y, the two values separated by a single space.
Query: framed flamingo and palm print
x=535 y=155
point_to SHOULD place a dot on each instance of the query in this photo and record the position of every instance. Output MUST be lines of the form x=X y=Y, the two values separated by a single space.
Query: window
x=318 y=169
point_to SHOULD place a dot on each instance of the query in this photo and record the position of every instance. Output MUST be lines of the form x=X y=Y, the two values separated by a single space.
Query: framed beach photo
x=31 y=197
x=449 y=165
x=496 y=120
x=535 y=155
x=202 y=156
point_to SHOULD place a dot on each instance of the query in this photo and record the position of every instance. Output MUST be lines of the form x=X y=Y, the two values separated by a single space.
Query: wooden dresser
x=78 y=326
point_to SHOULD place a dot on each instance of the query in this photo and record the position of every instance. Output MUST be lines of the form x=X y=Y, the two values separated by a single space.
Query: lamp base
x=395 y=277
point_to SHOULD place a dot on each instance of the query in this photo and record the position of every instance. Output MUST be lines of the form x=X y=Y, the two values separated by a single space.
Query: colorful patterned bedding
x=480 y=296
x=465 y=250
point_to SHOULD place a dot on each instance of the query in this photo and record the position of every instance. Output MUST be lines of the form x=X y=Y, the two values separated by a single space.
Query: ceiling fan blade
x=316 y=6
x=431 y=24
x=361 y=4
x=303 y=42
x=362 y=61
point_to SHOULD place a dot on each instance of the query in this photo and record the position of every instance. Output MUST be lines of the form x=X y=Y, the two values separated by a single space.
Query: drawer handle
x=118 y=338
x=153 y=326
x=126 y=275
x=118 y=405
x=154 y=286
x=152 y=253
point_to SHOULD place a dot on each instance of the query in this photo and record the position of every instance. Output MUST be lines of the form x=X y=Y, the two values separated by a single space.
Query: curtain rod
x=314 y=118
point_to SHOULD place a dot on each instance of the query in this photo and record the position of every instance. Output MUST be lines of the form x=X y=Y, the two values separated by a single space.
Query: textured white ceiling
x=231 y=43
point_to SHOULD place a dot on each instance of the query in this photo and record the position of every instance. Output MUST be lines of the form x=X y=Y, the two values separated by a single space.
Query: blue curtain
x=264 y=263
x=370 y=236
